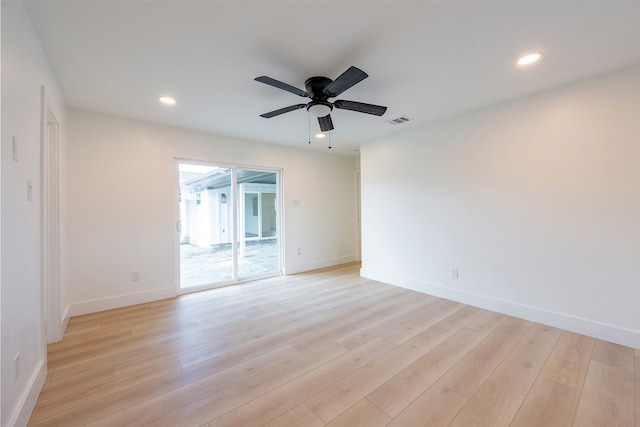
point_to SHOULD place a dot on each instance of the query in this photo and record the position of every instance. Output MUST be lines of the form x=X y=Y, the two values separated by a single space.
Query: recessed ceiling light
x=320 y=135
x=529 y=58
x=167 y=100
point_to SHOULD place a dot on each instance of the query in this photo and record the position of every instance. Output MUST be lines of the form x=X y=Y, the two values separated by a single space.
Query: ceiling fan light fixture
x=319 y=109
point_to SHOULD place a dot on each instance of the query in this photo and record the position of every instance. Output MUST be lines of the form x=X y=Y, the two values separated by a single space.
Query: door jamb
x=50 y=234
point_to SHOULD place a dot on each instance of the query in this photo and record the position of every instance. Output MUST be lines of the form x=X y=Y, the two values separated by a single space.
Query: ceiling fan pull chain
x=309 y=123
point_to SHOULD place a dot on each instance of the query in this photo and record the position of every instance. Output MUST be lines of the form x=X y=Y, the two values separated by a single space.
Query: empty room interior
x=349 y=213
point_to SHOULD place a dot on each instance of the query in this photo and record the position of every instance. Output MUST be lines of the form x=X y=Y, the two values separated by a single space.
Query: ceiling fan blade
x=347 y=79
x=275 y=83
x=282 y=111
x=360 y=107
x=325 y=123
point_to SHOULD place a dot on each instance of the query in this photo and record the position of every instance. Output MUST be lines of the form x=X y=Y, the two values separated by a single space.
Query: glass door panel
x=268 y=215
x=251 y=212
x=206 y=218
x=220 y=206
x=259 y=243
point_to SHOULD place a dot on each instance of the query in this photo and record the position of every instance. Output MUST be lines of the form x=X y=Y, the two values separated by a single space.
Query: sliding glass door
x=258 y=239
x=229 y=224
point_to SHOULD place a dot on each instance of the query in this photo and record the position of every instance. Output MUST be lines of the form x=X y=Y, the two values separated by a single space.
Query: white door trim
x=50 y=206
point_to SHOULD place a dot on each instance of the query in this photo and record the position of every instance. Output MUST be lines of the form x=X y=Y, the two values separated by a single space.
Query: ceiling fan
x=320 y=89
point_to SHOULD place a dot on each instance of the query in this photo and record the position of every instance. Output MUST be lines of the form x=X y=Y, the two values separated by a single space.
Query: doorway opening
x=229 y=224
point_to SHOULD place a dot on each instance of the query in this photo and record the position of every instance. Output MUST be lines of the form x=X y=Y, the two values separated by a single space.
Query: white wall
x=24 y=71
x=121 y=206
x=536 y=202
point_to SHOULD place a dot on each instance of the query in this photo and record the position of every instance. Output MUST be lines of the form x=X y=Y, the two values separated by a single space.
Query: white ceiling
x=426 y=60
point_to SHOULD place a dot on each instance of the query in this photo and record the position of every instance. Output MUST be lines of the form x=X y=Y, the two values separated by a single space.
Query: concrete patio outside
x=202 y=266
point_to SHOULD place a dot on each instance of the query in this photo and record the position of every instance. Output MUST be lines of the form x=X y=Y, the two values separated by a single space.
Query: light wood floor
x=331 y=348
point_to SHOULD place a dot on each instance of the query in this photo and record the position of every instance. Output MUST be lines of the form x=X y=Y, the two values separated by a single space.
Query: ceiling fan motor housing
x=315 y=86
x=319 y=107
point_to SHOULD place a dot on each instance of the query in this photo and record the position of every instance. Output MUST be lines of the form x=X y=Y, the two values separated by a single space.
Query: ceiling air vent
x=399 y=120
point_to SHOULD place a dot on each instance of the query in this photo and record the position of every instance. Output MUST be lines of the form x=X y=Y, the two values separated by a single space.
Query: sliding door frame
x=234 y=220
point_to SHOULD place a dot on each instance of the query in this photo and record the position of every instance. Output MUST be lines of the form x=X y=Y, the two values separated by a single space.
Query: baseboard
x=65 y=320
x=603 y=331
x=125 y=300
x=28 y=400
x=315 y=265
x=62 y=326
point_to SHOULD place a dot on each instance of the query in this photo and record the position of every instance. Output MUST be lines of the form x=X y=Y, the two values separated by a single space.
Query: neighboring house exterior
x=206 y=208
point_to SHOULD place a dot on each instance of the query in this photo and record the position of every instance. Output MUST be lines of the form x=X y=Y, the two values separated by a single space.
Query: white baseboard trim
x=592 y=328
x=65 y=320
x=62 y=326
x=118 y=301
x=28 y=400
x=314 y=265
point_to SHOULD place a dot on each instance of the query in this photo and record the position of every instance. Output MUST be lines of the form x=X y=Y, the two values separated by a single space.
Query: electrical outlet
x=454 y=273
x=16 y=367
x=299 y=251
x=135 y=276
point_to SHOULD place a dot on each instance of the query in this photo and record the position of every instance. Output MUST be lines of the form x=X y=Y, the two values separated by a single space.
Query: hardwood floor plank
x=357 y=337
x=607 y=397
x=569 y=360
x=78 y=325
x=82 y=339
x=467 y=376
x=362 y=414
x=336 y=399
x=68 y=388
x=97 y=347
x=221 y=339
x=173 y=397
x=300 y=416
x=492 y=405
x=435 y=407
x=334 y=293
x=614 y=355
x=412 y=327
x=334 y=330
x=235 y=337
x=519 y=370
x=487 y=322
x=143 y=350
x=165 y=364
x=397 y=393
x=355 y=311
x=329 y=347
x=269 y=406
x=548 y=404
x=222 y=402
x=121 y=393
